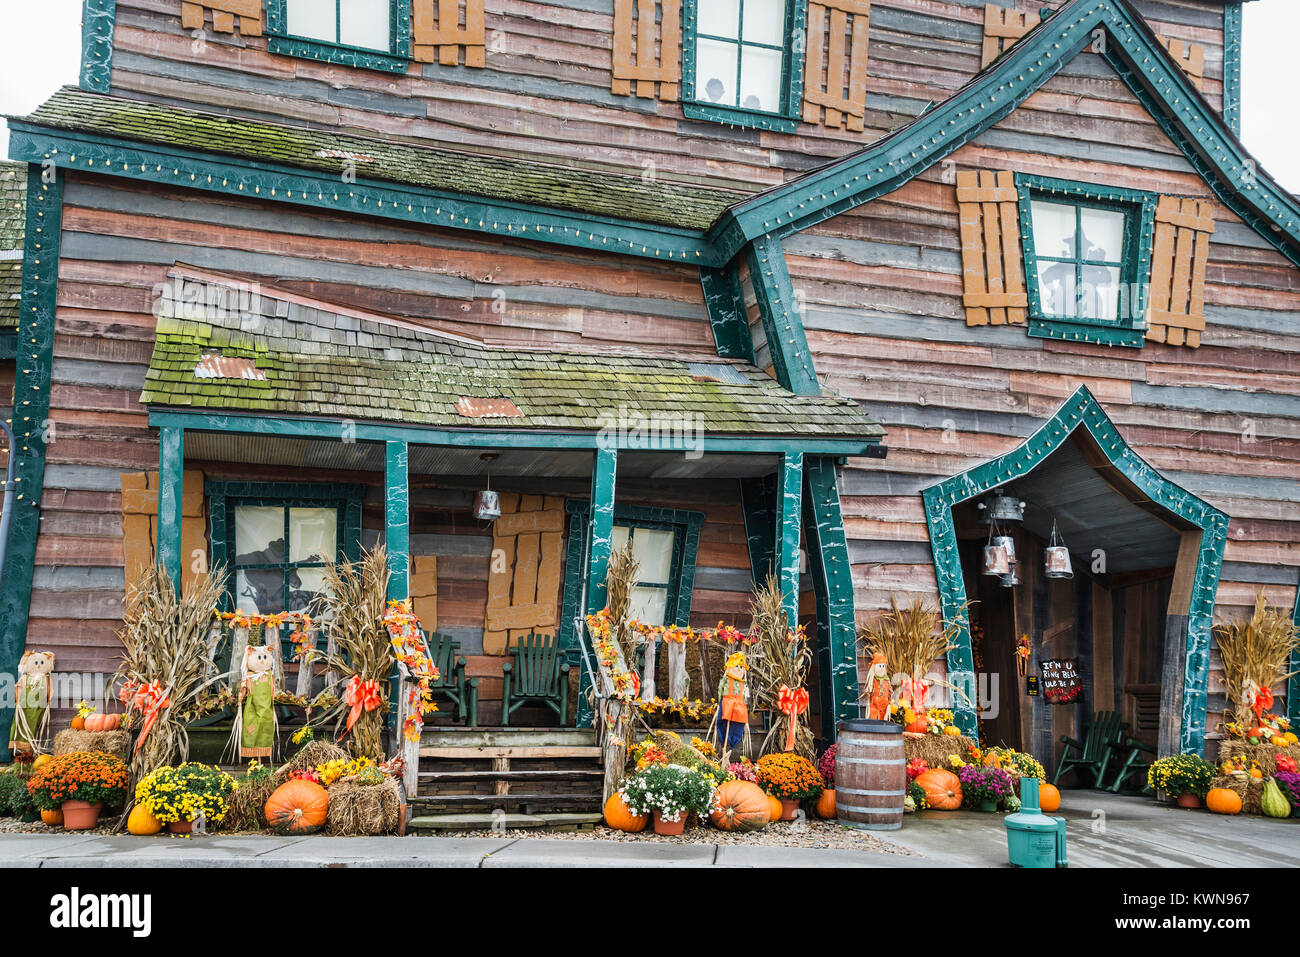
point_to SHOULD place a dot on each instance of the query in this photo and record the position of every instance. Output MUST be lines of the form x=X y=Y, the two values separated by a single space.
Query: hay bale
x=1265 y=755
x=936 y=749
x=246 y=806
x=363 y=809
x=1250 y=790
x=106 y=742
x=308 y=757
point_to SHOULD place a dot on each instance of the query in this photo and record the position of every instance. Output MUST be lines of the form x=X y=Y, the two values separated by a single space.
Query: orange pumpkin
x=826 y=804
x=94 y=722
x=297 y=807
x=111 y=722
x=775 y=807
x=620 y=818
x=53 y=818
x=942 y=789
x=78 y=723
x=1049 y=797
x=740 y=806
x=920 y=726
x=1223 y=801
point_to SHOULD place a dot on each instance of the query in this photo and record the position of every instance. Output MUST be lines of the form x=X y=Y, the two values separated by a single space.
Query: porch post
x=171 y=468
x=788 y=514
x=601 y=539
x=397 y=520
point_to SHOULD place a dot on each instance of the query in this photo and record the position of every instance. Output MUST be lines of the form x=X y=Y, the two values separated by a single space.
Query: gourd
x=1049 y=797
x=775 y=807
x=53 y=818
x=620 y=818
x=942 y=789
x=142 y=823
x=1274 y=803
x=953 y=730
x=826 y=804
x=1223 y=801
x=297 y=807
x=740 y=806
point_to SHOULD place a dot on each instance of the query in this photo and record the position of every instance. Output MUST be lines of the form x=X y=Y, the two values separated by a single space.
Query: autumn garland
x=410 y=650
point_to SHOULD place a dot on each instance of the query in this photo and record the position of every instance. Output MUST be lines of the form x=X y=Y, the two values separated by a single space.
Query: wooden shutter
x=423 y=590
x=1002 y=28
x=524 y=579
x=224 y=14
x=835 y=63
x=993 y=280
x=140 y=524
x=1176 y=306
x=437 y=34
x=1190 y=56
x=646 y=52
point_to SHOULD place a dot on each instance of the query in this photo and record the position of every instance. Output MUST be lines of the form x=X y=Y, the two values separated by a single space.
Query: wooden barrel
x=870 y=775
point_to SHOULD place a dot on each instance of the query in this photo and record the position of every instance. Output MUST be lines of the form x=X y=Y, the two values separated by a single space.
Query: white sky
x=40 y=51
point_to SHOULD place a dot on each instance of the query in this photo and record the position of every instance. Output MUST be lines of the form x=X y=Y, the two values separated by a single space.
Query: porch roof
x=292 y=360
x=13 y=224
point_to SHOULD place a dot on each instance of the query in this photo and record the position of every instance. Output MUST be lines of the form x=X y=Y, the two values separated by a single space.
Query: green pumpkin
x=1274 y=802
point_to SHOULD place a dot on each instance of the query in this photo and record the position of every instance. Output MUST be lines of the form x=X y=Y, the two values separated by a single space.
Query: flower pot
x=789 y=809
x=988 y=806
x=181 y=827
x=1188 y=800
x=80 y=816
x=669 y=828
x=52 y=818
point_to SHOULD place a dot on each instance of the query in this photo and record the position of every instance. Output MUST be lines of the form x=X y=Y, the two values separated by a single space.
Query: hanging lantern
x=1000 y=508
x=996 y=560
x=487 y=503
x=1056 y=557
x=1008 y=544
x=1011 y=579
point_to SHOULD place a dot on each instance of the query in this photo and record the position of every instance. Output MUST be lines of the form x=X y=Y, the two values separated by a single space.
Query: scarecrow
x=32 y=701
x=257 y=703
x=878 y=688
x=733 y=715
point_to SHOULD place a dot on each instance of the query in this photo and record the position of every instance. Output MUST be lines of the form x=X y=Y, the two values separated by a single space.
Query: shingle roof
x=475 y=174
x=13 y=223
x=317 y=362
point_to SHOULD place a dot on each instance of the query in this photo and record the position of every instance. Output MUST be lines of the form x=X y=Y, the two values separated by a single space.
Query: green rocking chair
x=452 y=682
x=538 y=673
x=1094 y=752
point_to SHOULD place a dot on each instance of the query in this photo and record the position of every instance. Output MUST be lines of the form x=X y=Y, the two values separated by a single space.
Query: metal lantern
x=1056 y=557
x=996 y=560
x=487 y=503
x=1009 y=544
x=1001 y=508
x=1011 y=579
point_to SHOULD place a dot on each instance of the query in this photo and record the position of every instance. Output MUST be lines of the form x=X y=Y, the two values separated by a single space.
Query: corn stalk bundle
x=616 y=714
x=355 y=600
x=775 y=659
x=911 y=638
x=1256 y=653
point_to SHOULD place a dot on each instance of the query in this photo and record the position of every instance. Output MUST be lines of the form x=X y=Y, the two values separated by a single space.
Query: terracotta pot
x=669 y=828
x=80 y=816
x=1189 y=800
x=181 y=827
x=52 y=818
x=789 y=809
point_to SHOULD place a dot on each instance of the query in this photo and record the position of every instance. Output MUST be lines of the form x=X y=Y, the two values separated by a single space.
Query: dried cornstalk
x=775 y=660
x=1256 y=654
x=615 y=714
x=911 y=638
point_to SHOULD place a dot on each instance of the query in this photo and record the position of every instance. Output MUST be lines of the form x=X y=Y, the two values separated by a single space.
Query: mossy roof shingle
x=13 y=227
x=491 y=177
x=319 y=363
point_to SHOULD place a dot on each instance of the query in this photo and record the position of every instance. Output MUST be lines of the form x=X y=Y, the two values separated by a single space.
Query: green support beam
x=725 y=301
x=789 y=514
x=97 y=17
x=397 y=520
x=1232 y=67
x=600 y=543
x=171 y=486
x=782 y=325
x=31 y=408
x=758 y=506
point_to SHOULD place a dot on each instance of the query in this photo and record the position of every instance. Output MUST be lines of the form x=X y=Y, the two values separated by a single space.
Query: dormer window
x=374 y=34
x=740 y=64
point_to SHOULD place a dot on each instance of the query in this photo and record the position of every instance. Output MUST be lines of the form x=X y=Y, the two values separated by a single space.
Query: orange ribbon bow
x=792 y=702
x=1263 y=701
x=359 y=696
x=149 y=699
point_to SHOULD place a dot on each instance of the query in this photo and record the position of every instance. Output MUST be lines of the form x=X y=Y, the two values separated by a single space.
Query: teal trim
x=323 y=428
x=97 y=20
x=397 y=520
x=600 y=526
x=396 y=59
x=1081 y=410
x=1232 y=42
x=725 y=301
x=784 y=120
x=31 y=409
x=230 y=176
x=787 y=344
x=758 y=507
x=789 y=522
x=1293 y=682
x=832 y=575
x=1134 y=260
x=171 y=470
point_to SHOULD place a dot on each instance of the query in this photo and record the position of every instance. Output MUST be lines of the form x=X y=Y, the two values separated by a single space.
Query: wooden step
x=485 y=822
x=487 y=774
x=458 y=737
x=585 y=800
x=544 y=752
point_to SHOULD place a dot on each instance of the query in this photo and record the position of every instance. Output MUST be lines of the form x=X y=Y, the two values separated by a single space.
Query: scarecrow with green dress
x=32 y=701
x=257 y=703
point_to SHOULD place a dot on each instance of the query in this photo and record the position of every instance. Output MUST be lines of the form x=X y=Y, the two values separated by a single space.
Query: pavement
x=1103 y=830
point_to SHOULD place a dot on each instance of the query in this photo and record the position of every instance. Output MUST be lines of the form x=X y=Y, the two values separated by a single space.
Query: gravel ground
x=11 y=825
x=808 y=833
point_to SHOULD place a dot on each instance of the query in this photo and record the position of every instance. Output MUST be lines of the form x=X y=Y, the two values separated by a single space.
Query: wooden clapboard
x=647 y=48
x=993 y=279
x=835 y=64
x=438 y=37
x=524 y=578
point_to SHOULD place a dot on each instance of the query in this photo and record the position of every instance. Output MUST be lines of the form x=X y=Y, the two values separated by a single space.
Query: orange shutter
x=224 y=13
x=1002 y=28
x=524 y=577
x=993 y=280
x=423 y=589
x=438 y=37
x=646 y=51
x=1176 y=307
x=140 y=525
x=835 y=63
x=1190 y=56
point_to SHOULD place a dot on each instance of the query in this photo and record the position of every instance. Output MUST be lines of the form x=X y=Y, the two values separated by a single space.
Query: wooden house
x=775 y=285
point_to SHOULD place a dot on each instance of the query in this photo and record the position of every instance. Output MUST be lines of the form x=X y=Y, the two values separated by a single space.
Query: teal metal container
x=1033 y=838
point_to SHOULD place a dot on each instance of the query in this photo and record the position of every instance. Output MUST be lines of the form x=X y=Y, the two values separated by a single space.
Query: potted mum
x=80 y=784
x=671 y=792
x=1185 y=777
x=985 y=788
x=184 y=794
x=790 y=779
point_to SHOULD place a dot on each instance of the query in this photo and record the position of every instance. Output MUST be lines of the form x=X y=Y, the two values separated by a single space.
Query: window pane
x=364 y=23
x=313 y=534
x=653 y=548
x=715 y=72
x=1056 y=288
x=760 y=79
x=1103 y=235
x=305 y=584
x=260 y=590
x=1054 y=227
x=316 y=19
x=619 y=537
x=719 y=18
x=1100 y=293
x=259 y=535
x=649 y=605
x=764 y=21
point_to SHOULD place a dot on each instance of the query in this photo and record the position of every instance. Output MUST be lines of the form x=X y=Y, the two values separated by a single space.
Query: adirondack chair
x=1128 y=751
x=537 y=673
x=1094 y=752
x=453 y=683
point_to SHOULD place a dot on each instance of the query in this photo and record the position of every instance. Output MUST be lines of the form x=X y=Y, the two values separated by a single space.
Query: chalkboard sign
x=1060 y=679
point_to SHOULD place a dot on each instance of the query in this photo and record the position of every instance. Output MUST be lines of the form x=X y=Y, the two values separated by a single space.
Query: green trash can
x=1033 y=838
